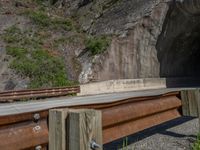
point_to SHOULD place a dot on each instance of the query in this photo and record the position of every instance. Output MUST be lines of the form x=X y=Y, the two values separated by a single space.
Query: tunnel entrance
x=178 y=45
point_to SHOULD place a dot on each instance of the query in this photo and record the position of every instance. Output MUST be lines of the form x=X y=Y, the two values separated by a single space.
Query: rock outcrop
x=150 y=39
x=9 y=80
x=132 y=53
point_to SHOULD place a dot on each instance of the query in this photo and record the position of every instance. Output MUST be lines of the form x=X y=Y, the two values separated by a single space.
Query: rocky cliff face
x=136 y=26
x=154 y=38
x=151 y=39
x=8 y=78
x=134 y=55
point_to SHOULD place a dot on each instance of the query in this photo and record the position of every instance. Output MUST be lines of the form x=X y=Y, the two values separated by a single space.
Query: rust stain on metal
x=23 y=135
x=126 y=112
x=37 y=93
x=120 y=119
x=11 y=119
x=131 y=127
x=29 y=116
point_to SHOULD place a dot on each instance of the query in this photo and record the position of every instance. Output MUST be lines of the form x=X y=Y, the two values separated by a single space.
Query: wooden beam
x=57 y=129
x=84 y=127
x=189 y=103
x=75 y=129
x=197 y=95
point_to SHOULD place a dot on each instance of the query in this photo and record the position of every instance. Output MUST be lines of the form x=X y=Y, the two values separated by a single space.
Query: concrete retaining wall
x=123 y=85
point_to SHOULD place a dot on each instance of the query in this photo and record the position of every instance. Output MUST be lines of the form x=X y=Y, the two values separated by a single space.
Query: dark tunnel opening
x=178 y=47
x=183 y=57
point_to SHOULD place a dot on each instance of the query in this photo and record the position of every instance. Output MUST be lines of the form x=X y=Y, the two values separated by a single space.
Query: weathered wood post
x=191 y=103
x=197 y=95
x=75 y=129
x=57 y=129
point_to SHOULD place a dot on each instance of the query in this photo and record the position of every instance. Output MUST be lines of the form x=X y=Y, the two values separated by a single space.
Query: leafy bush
x=31 y=60
x=65 y=24
x=43 y=69
x=40 y=18
x=196 y=145
x=16 y=51
x=12 y=35
x=97 y=45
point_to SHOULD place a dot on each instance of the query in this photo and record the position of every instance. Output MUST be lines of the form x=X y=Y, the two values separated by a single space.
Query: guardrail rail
x=9 y=96
x=119 y=119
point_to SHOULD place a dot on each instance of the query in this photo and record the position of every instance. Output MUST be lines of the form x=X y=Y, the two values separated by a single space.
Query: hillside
x=37 y=45
x=46 y=43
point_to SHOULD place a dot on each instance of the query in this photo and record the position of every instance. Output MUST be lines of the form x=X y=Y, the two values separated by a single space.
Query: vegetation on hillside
x=30 y=59
x=36 y=48
x=42 y=20
x=196 y=145
x=97 y=45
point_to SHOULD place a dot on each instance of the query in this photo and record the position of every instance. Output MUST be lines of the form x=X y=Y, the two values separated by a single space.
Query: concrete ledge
x=122 y=85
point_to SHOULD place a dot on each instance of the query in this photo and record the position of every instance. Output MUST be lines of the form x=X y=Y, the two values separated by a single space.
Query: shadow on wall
x=179 y=47
x=182 y=82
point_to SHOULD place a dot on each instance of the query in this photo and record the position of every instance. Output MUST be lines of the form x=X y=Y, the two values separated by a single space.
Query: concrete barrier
x=122 y=85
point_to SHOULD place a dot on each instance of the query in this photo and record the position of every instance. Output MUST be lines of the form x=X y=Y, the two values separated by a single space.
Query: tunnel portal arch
x=178 y=45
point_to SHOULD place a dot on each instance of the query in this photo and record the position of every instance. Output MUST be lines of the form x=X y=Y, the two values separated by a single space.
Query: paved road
x=178 y=134
x=22 y=107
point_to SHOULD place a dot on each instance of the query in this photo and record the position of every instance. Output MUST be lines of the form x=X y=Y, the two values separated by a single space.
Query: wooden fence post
x=57 y=129
x=75 y=129
x=189 y=103
x=197 y=95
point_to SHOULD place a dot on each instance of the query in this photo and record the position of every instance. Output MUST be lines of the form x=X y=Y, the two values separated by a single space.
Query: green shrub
x=41 y=19
x=196 y=145
x=32 y=61
x=13 y=30
x=43 y=69
x=16 y=51
x=12 y=35
x=65 y=24
x=24 y=66
x=97 y=45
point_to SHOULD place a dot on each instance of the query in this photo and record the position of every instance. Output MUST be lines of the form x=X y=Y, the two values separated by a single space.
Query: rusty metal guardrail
x=37 y=93
x=119 y=119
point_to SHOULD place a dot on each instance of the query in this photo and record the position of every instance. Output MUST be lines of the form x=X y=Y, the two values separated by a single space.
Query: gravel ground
x=178 y=134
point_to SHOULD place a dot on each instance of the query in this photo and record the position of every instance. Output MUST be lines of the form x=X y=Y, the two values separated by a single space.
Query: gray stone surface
x=125 y=15
x=178 y=134
x=179 y=137
x=151 y=39
x=133 y=54
x=9 y=80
